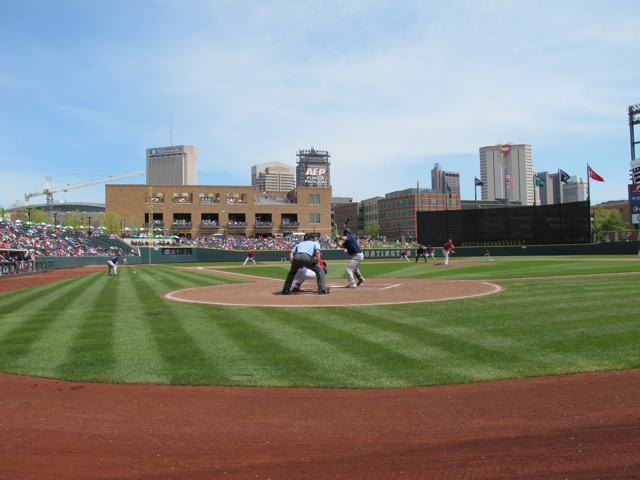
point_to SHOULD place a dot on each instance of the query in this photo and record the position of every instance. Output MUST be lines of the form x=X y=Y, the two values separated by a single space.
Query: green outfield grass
x=486 y=269
x=118 y=329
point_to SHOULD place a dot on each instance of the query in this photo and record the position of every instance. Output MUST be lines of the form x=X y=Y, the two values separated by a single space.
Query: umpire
x=306 y=254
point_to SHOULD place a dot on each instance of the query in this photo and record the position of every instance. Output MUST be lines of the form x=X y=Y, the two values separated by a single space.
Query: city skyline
x=387 y=91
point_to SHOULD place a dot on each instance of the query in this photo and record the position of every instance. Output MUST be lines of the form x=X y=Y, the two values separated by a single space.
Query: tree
x=372 y=230
x=605 y=221
x=38 y=216
x=112 y=222
x=20 y=209
x=74 y=220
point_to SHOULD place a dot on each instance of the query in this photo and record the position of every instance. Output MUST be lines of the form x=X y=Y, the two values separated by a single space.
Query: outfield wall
x=211 y=255
x=197 y=255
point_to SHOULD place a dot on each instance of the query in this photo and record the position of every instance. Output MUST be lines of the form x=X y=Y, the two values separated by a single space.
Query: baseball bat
x=345 y=223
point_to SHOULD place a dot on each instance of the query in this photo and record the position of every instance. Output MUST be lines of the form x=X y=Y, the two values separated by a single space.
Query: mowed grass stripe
x=170 y=342
x=34 y=321
x=185 y=359
x=134 y=348
x=15 y=301
x=231 y=363
x=308 y=348
x=277 y=361
x=91 y=348
x=407 y=349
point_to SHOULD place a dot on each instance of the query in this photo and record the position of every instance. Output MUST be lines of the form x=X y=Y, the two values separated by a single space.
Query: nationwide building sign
x=165 y=151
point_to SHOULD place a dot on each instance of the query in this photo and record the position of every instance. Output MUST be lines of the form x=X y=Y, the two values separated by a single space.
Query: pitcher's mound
x=375 y=291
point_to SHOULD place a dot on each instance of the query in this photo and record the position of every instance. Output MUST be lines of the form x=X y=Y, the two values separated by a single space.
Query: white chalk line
x=495 y=289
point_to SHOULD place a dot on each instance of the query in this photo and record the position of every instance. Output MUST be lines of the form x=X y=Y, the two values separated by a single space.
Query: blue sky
x=388 y=88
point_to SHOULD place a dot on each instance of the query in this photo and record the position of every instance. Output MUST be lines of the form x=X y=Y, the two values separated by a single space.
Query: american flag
x=509 y=182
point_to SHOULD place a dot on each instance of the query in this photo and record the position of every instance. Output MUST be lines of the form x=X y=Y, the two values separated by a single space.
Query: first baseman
x=250 y=256
x=403 y=254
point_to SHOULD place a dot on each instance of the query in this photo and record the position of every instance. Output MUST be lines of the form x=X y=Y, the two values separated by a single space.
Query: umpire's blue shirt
x=309 y=247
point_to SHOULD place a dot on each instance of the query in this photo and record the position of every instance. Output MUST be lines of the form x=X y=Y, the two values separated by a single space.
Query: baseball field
x=548 y=317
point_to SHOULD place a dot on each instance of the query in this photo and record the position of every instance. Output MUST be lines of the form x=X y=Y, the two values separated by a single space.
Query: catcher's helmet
x=346 y=231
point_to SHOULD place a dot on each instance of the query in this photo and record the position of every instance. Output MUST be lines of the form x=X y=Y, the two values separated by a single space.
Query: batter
x=351 y=245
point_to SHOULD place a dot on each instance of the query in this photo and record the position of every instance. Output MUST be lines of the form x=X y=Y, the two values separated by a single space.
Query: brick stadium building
x=397 y=210
x=205 y=210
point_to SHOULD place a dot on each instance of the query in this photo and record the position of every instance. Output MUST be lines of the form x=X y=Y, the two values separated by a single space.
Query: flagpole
x=535 y=206
x=475 y=191
x=506 y=195
x=589 y=197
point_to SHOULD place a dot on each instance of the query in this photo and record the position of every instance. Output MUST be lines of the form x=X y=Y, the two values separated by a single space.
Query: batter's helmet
x=346 y=231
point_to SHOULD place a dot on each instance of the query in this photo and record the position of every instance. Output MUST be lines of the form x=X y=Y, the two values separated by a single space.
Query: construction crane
x=48 y=191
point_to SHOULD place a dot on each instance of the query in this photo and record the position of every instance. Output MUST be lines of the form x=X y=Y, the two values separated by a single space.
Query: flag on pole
x=509 y=181
x=539 y=181
x=594 y=175
x=479 y=183
x=448 y=188
x=564 y=176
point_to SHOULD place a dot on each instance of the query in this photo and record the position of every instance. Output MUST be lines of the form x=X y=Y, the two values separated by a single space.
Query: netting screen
x=545 y=224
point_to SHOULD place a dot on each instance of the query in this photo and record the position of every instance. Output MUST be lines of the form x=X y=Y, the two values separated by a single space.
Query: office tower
x=176 y=165
x=440 y=179
x=273 y=177
x=576 y=190
x=514 y=160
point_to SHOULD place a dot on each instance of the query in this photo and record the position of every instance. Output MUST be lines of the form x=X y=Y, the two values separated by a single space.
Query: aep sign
x=505 y=149
x=315 y=172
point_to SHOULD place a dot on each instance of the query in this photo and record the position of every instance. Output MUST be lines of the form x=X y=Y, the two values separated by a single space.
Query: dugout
x=556 y=224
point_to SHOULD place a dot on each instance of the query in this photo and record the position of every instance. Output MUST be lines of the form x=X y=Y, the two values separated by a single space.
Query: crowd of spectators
x=41 y=241
x=231 y=242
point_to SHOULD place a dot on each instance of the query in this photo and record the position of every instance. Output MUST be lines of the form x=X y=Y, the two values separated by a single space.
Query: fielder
x=113 y=264
x=403 y=254
x=250 y=256
x=448 y=248
x=351 y=244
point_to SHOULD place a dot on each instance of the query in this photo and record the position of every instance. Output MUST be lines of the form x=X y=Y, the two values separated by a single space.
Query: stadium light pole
x=150 y=221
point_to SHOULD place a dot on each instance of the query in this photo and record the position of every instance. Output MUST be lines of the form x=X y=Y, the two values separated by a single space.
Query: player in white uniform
x=113 y=265
x=306 y=274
